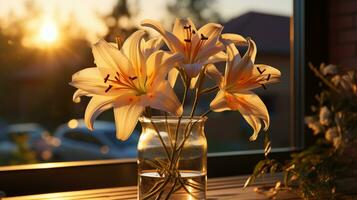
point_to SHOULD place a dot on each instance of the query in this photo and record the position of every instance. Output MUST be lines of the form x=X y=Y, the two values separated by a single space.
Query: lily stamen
x=124 y=73
x=188 y=40
x=106 y=79
x=109 y=87
x=260 y=71
x=268 y=77
x=198 y=46
x=133 y=78
x=128 y=82
x=188 y=43
x=203 y=37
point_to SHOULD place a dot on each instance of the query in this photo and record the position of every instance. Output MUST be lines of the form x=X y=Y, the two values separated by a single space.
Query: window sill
x=218 y=188
x=83 y=175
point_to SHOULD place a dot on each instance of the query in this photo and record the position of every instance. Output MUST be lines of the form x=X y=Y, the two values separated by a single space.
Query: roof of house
x=270 y=32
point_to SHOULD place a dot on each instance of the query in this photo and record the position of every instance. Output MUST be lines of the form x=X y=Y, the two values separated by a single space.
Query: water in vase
x=186 y=186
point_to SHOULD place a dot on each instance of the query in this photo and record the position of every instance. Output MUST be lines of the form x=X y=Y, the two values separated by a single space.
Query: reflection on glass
x=78 y=143
x=43 y=43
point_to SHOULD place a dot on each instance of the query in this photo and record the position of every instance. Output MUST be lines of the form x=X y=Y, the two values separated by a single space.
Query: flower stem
x=161 y=140
x=209 y=90
x=186 y=85
x=172 y=171
x=171 y=190
x=194 y=104
x=159 y=189
x=187 y=134
x=206 y=113
x=198 y=91
x=168 y=131
x=158 y=133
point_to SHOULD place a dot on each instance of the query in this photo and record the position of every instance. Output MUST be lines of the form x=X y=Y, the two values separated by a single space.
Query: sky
x=228 y=8
x=86 y=12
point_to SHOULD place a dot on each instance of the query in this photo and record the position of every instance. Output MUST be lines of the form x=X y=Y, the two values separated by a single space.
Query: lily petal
x=194 y=82
x=256 y=76
x=274 y=73
x=244 y=75
x=164 y=98
x=95 y=107
x=178 y=29
x=232 y=53
x=126 y=118
x=219 y=57
x=78 y=94
x=110 y=60
x=171 y=40
x=150 y=46
x=206 y=53
x=132 y=50
x=234 y=38
x=253 y=110
x=213 y=73
x=159 y=64
x=254 y=122
x=248 y=104
x=91 y=81
x=212 y=31
x=172 y=76
x=219 y=103
x=192 y=70
x=253 y=53
x=239 y=67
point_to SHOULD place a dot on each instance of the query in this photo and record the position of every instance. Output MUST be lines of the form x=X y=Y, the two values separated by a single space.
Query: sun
x=48 y=32
x=43 y=33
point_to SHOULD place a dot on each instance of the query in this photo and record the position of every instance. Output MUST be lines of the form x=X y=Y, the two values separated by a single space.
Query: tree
x=120 y=21
x=200 y=11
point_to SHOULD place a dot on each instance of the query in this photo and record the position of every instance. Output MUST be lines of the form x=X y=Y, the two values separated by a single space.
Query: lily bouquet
x=137 y=76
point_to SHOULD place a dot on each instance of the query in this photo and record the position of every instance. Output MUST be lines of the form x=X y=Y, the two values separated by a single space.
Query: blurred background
x=42 y=43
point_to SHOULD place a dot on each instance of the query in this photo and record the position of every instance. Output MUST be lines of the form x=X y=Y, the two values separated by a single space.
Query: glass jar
x=172 y=158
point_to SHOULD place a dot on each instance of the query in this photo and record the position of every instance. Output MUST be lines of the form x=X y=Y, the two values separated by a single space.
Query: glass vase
x=172 y=158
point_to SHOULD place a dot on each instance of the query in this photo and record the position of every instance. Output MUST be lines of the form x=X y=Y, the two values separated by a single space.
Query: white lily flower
x=241 y=76
x=200 y=47
x=127 y=80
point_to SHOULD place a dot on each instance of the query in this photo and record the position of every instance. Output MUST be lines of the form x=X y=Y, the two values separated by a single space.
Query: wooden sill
x=218 y=188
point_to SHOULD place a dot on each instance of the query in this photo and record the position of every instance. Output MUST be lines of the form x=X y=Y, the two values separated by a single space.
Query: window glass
x=82 y=137
x=42 y=43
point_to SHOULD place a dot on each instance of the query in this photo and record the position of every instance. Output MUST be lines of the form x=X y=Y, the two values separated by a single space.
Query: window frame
x=79 y=175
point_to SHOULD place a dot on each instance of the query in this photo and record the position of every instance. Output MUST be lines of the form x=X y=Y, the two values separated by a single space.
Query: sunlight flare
x=48 y=32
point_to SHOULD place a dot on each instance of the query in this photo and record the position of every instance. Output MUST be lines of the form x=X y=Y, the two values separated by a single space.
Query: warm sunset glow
x=48 y=32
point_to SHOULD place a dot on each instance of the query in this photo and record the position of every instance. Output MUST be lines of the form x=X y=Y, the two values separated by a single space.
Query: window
x=83 y=138
x=39 y=55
